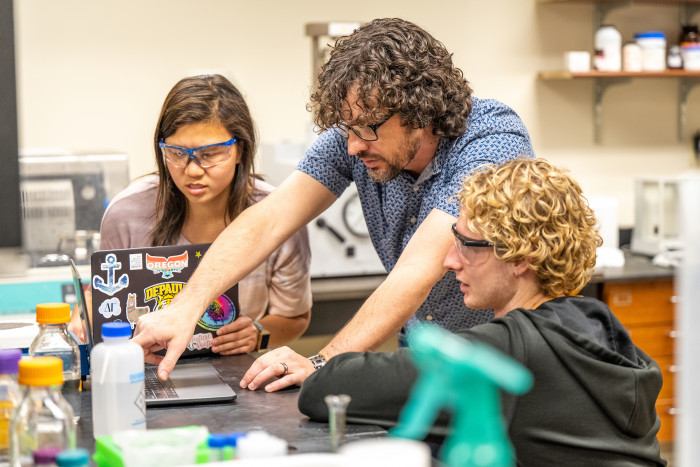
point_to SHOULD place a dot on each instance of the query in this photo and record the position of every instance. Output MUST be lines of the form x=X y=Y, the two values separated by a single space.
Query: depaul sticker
x=162 y=293
x=166 y=266
x=110 y=307
x=133 y=312
x=111 y=286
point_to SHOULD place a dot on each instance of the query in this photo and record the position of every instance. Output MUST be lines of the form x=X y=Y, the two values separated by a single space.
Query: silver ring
x=286 y=368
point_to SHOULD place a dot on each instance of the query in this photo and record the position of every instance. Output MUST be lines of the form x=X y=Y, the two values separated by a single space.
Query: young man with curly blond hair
x=525 y=244
x=398 y=119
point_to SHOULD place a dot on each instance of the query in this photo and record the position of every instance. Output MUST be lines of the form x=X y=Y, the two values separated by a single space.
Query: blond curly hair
x=533 y=211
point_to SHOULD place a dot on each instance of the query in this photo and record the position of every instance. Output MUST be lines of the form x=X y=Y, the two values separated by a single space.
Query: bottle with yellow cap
x=54 y=340
x=43 y=419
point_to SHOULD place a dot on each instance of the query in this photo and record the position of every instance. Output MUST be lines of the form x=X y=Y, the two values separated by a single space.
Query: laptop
x=189 y=383
x=127 y=284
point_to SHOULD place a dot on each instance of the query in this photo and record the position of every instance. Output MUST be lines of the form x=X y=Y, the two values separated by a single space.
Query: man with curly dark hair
x=397 y=118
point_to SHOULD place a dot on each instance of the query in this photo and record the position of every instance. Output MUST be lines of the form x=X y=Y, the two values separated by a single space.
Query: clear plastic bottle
x=117 y=384
x=43 y=418
x=9 y=397
x=54 y=340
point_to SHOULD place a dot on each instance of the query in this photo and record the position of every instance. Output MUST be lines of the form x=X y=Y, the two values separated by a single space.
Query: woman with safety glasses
x=525 y=244
x=204 y=147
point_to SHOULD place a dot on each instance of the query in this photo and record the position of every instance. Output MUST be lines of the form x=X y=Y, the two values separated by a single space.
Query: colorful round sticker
x=220 y=313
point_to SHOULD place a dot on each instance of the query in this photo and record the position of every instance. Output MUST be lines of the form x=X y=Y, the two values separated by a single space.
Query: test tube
x=337 y=405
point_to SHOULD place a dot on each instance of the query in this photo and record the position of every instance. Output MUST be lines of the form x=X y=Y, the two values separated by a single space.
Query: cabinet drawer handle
x=672 y=411
x=673 y=368
x=675 y=299
x=673 y=334
x=622 y=299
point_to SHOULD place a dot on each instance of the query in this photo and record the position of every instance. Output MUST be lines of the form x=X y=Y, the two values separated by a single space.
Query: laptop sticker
x=110 y=307
x=110 y=287
x=166 y=266
x=220 y=313
x=133 y=312
x=162 y=294
x=136 y=262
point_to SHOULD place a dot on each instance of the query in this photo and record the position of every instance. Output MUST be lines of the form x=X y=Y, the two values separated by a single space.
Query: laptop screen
x=130 y=283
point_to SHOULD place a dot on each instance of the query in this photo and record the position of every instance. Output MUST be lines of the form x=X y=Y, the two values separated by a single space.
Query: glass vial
x=43 y=418
x=337 y=407
x=54 y=340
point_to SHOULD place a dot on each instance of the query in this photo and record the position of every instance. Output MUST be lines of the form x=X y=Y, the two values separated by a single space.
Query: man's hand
x=286 y=364
x=164 y=329
x=241 y=336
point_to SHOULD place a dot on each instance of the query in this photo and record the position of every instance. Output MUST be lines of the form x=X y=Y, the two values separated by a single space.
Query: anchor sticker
x=110 y=288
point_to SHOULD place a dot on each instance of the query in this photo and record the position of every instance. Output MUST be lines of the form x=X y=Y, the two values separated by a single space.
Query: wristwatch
x=317 y=361
x=263 y=337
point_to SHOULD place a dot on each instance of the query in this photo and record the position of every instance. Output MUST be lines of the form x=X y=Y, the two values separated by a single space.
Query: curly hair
x=534 y=211
x=398 y=68
x=207 y=98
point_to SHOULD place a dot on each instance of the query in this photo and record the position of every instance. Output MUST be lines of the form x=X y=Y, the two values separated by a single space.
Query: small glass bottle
x=54 y=340
x=43 y=418
x=9 y=397
x=674 y=61
x=689 y=35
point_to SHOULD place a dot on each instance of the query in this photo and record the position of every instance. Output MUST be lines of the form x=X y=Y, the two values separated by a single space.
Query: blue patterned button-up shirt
x=394 y=210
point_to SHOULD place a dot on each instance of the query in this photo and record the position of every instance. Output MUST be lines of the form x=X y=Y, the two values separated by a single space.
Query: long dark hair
x=210 y=98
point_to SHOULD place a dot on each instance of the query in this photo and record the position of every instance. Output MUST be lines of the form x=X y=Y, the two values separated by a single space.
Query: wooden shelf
x=565 y=74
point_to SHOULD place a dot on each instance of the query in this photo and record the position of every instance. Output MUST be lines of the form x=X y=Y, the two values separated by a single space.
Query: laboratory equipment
x=656 y=218
x=117 y=384
x=64 y=196
x=43 y=418
x=54 y=340
x=337 y=407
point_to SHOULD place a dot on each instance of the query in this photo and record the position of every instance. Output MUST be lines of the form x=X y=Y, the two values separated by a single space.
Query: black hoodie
x=592 y=402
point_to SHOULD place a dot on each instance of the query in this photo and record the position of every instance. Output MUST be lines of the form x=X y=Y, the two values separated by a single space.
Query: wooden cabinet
x=646 y=309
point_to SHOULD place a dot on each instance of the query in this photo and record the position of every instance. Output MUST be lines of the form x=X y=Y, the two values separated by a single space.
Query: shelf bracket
x=684 y=87
x=687 y=11
x=601 y=11
x=600 y=86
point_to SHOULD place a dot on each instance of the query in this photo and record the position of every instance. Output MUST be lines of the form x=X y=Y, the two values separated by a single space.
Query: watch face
x=354 y=218
x=264 y=340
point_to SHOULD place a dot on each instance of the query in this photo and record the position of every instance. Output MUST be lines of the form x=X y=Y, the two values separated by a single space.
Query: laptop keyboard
x=157 y=389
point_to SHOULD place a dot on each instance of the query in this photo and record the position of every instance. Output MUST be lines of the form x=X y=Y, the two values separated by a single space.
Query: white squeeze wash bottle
x=116 y=373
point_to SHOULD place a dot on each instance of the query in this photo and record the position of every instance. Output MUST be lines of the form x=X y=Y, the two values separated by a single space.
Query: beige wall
x=92 y=75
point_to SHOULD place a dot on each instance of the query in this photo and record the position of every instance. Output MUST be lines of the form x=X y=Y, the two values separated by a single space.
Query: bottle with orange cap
x=54 y=340
x=43 y=419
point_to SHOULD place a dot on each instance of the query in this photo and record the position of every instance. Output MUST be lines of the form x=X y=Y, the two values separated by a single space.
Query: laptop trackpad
x=189 y=383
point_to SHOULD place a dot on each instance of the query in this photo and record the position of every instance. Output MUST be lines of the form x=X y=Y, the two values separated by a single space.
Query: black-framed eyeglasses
x=474 y=251
x=365 y=132
x=205 y=156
